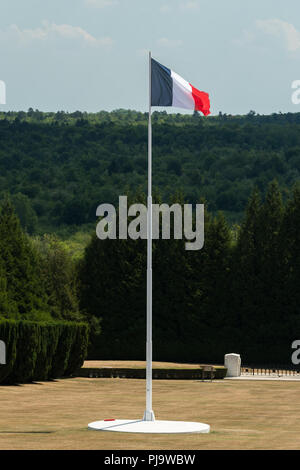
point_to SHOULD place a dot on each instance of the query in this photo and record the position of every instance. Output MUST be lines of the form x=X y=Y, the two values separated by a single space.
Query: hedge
x=66 y=340
x=9 y=334
x=78 y=350
x=42 y=350
x=48 y=342
x=161 y=374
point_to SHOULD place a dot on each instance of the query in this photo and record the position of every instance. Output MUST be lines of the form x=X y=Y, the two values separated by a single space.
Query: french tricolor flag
x=170 y=89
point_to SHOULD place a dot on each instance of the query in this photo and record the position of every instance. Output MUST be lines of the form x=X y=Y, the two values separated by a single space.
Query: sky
x=92 y=55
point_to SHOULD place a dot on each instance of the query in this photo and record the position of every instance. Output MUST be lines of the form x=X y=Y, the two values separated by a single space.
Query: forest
x=240 y=293
x=58 y=167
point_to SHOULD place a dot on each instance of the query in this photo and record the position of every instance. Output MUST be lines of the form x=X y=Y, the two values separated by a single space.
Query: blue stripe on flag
x=161 y=85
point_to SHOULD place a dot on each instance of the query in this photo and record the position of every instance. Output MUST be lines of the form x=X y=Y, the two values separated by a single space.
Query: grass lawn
x=242 y=414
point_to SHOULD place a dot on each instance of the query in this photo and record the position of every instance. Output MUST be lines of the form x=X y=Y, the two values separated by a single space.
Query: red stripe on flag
x=202 y=102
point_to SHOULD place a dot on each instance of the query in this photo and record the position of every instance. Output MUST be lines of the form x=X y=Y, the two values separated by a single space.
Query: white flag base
x=150 y=427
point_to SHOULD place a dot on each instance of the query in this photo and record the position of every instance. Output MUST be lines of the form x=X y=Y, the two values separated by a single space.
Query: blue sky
x=92 y=54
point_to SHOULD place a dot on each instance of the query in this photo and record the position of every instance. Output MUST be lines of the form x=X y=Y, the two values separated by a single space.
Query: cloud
x=101 y=3
x=189 y=5
x=281 y=29
x=165 y=42
x=52 y=30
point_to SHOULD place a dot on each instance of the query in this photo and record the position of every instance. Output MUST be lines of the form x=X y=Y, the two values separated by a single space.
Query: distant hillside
x=59 y=167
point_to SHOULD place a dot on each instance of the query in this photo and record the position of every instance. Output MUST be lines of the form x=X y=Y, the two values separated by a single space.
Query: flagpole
x=149 y=414
x=149 y=424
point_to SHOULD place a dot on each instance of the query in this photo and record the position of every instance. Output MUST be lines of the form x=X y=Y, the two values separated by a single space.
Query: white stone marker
x=2 y=352
x=233 y=364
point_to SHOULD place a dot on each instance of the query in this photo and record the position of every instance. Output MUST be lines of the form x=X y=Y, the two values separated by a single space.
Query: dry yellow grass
x=242 y=414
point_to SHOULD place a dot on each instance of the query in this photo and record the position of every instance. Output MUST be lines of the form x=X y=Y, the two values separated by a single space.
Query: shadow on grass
x=27 y=432
x=32 y=382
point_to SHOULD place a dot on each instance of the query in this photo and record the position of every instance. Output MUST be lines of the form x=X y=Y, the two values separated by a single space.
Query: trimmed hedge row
x=161 y=374
x=42 y=350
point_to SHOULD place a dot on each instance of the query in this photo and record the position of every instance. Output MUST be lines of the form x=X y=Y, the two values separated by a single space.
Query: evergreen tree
x=290 y=266
x=112 y=288
x=20 y=263
x=244 y=280
x=211 y=296
x=269 y=253
x=8 y=308
x=258 y=288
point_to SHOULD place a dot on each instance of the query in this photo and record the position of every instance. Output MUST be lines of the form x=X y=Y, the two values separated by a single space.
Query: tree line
x=37 y=277
x=58 y=167
x=240 y=293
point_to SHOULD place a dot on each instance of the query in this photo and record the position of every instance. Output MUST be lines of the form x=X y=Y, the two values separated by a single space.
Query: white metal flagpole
x=149 y=414
x=149 y=424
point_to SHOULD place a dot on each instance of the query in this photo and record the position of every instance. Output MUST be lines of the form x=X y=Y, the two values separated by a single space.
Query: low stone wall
x=162 y=374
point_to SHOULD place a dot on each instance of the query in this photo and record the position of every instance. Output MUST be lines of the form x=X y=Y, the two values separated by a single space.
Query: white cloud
x=189 y=5
x=281 y=29
x=101 y=3
x=165 y=42
x=52 y=30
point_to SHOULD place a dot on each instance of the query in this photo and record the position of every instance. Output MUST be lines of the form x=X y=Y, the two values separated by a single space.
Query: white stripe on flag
x=182 y=92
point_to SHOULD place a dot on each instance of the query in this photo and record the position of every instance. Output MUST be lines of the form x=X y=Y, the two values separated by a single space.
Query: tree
x=269 y=253
x=20 y=263
x=245 y=271
x=112 y=288
x=8 y=308
x=58 y=275
x=210 y=299
x=25 y=212
x=290 y=262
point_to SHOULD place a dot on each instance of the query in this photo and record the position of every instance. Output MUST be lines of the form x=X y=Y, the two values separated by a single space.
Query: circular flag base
x=151 y=427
